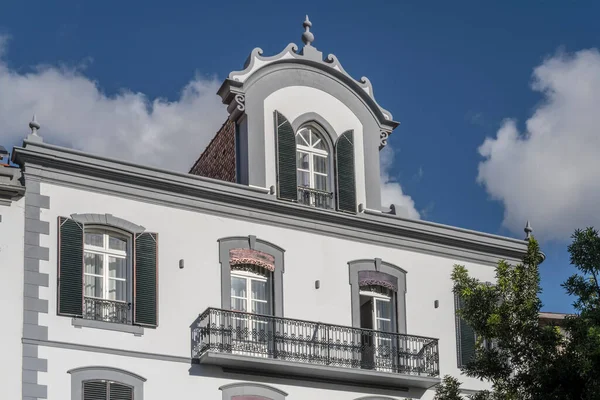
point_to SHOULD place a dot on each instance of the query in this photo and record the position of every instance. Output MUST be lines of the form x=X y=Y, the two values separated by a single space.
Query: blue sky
x=450 y=72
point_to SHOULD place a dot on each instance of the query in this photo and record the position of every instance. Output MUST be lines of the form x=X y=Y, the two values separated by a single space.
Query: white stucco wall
x=185 y=293
x=11 y=297
x=293 y=101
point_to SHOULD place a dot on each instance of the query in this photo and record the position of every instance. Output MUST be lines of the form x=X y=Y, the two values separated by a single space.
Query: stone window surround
x=79 y=375
x=400 y=295
x=111 y=221
x=251 y=389
x=251 y=242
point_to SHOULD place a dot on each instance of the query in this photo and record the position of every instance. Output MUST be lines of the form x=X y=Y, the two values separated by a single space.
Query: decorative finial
x=528 y=229
x=307 y=36
x=34 y=126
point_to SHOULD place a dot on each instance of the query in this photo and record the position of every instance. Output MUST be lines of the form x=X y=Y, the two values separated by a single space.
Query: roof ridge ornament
x=34 y=126
x=307 y=37
x=528 y=230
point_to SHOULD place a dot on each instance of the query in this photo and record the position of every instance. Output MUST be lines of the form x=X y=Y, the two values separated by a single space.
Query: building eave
x=11 y=185
x=74 y=168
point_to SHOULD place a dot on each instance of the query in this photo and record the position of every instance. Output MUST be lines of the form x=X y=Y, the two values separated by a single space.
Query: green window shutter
x=465 y=337
x=70 y=267
x=345 y=179
x=120 y=392
x=145 y=274
x=94 y=390
x=287 y=187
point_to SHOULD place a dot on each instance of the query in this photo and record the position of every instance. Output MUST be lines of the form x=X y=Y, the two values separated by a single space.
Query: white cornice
x=68 y=167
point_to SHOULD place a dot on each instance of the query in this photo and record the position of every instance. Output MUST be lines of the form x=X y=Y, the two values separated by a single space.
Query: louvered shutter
x=120 y=392
x=345 y=180
x=70 y=267
x=95 y=390
x=145 y=273
x=287 y=187
x=465 y=336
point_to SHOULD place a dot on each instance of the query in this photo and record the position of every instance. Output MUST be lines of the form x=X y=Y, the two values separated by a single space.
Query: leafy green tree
x=449 y=389
x=576 y=372
x=512 y=350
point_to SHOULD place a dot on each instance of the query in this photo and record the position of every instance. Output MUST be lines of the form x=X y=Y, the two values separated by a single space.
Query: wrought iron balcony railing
x=315 y=198
x=106 y=310
x=284 y=339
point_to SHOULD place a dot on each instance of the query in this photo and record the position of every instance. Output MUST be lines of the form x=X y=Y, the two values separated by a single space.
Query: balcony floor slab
x=355 y=376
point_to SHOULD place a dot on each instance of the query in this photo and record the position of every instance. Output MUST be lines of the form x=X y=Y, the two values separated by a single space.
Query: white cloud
x=73 y=111
x=550 y=173
x=391 y=191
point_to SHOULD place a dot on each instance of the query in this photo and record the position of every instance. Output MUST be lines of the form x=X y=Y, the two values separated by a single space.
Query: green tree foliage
x=512 y=350
x=521 y=359
x=448 y=390
x=576 y=372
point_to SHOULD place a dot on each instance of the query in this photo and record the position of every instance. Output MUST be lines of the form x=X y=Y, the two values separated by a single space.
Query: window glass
x=238 y=286
x=117 y=267
x=321 y=164
x=94 y=263
x=94 y=239
x=116 y=243
x=312 y=162
x=259 y=290
x=384 y=309
x=106 y=266
x=117 y=290
x=94 y=286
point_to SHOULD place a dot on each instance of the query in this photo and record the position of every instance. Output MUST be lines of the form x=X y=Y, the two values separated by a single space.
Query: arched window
x=313 y=167
x=105 y=383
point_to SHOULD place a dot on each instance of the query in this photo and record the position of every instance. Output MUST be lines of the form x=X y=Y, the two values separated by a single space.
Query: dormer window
x=312 y=165
x=305 y=166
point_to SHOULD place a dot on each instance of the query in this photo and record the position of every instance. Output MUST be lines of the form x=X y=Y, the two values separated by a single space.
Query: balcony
x=315 y=198
x=106 y=310
x=313 y=350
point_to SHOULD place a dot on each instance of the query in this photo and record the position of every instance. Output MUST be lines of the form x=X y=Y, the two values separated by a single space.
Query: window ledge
x=110 y=326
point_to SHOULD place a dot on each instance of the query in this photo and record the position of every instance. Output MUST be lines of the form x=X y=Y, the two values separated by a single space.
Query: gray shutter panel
x=94 y=390
x=70 y=267
x=465 y=336
x=145 y=300
x=345 y=179
x=287 y=187
x=120 y=392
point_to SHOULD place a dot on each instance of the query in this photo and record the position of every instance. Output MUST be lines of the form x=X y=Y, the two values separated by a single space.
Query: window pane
x=117 y=290
x=116 y=243
x=117 y=267
x=384 y=326
x=238 y=304
x=93 y=286
x=320 y=145
x=302 y=160
x=261 y=308
x=303 y=179
x=316 y=140
x=93 y=263
x=94 y=239
x=259 y=290
x=302 y=137
x=321 y=182
x=384 y=309
x=238 y=286
x=320 y=164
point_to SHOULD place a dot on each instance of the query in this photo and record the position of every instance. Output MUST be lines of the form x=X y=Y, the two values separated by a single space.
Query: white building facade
x=287 y=282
